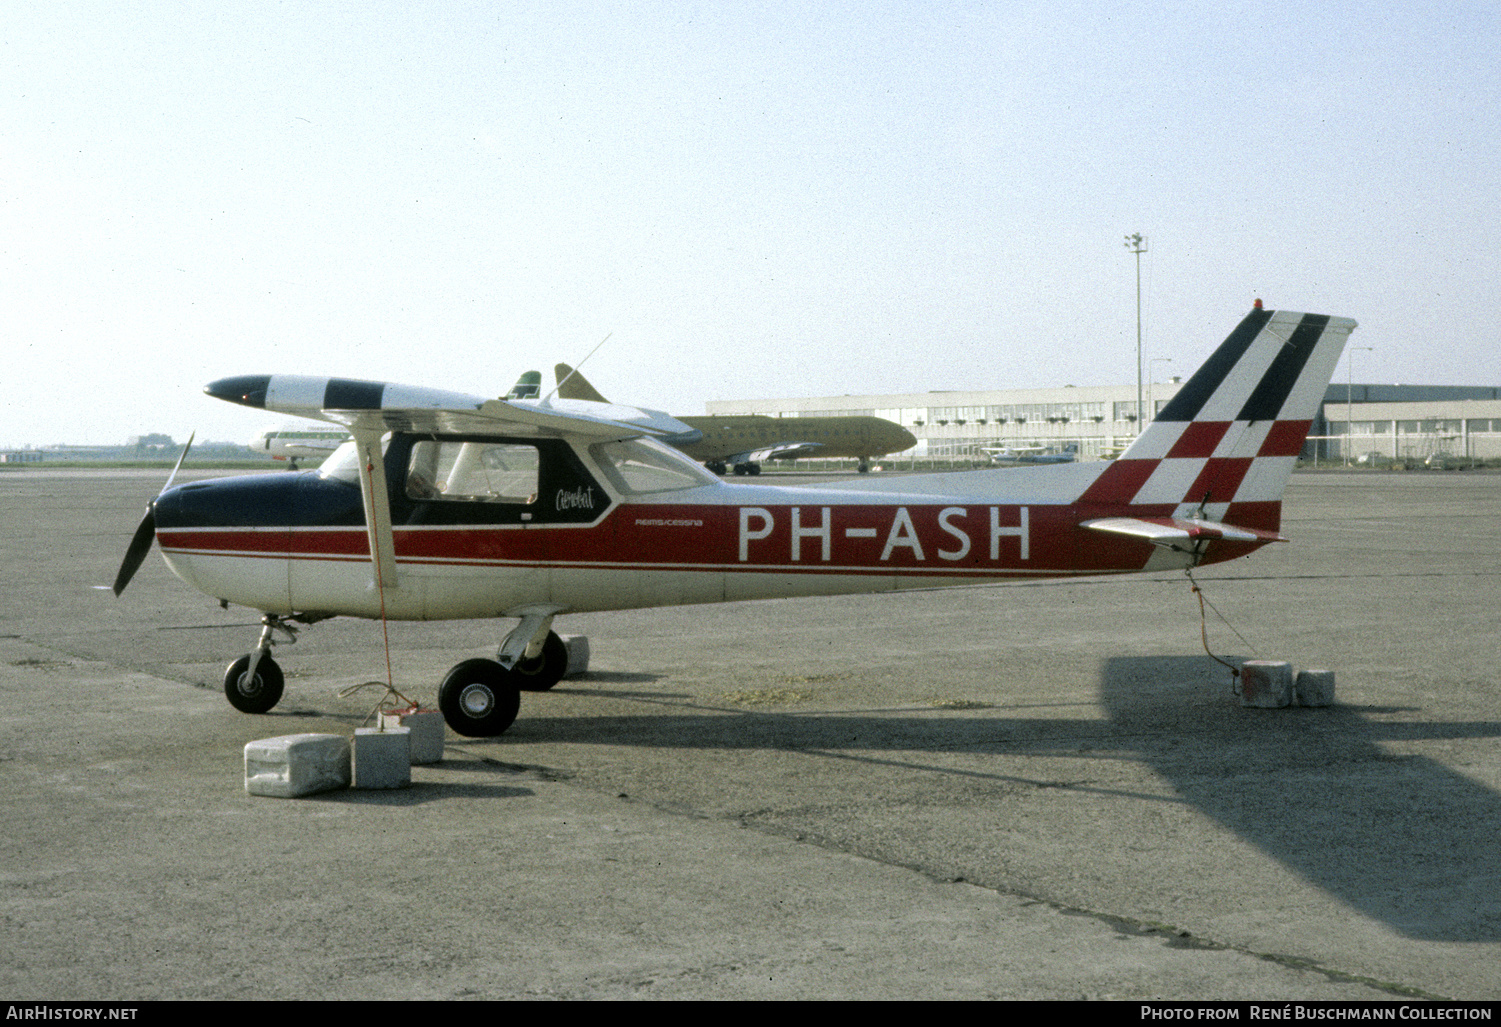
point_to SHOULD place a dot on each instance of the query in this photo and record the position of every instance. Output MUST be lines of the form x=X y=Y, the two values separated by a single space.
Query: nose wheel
x=253 y=691
x=254 y=683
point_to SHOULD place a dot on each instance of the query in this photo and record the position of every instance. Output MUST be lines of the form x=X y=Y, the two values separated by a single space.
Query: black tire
x=546 y=670
x=256 y=696
x=478 y=698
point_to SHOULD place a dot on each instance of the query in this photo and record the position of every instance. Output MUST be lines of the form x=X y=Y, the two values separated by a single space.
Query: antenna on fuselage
x=575 y=368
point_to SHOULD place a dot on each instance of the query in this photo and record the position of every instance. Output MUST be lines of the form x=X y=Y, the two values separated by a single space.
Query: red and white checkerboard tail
x=1222 y=449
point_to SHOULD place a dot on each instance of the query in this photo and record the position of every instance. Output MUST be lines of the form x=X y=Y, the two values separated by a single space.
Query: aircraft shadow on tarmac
x=614 y=677
x=1401 y=838
x=418 y=793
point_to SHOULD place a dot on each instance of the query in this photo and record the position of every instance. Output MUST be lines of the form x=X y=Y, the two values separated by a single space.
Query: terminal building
x=1369 y=422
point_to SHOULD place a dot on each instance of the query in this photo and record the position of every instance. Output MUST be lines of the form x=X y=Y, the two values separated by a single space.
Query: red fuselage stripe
x=960 y=540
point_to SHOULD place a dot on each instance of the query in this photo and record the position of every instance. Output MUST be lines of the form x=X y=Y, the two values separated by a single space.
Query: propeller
x=140 y=542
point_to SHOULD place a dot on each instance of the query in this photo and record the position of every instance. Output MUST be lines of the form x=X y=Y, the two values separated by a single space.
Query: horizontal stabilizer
x=1169 y=531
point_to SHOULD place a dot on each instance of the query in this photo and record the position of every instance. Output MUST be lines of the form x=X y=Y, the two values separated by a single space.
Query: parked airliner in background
x=298 y=442
x=445 y=505
x=1012 y=455
x=740 y=442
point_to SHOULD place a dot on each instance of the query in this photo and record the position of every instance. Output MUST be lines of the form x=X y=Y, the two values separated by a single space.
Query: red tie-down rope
x=1204 y=629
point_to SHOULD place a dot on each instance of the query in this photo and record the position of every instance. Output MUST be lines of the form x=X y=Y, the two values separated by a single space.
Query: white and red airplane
x=446 y=506
x=294 y=442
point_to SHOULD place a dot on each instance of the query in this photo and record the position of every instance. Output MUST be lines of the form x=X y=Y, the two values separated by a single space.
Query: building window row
x=1430 y=426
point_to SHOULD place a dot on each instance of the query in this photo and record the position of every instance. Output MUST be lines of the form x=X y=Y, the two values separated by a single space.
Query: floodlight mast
x=1137 y=244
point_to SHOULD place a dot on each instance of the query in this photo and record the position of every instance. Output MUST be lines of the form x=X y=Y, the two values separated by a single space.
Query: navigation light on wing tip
x=246 y=389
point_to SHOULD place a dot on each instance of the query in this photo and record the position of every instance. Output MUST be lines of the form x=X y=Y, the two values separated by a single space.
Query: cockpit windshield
x=636 y=466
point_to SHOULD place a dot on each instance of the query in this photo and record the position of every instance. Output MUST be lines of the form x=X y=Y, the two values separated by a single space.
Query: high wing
x=780 y=451
x=386 y=406
x=311 y=447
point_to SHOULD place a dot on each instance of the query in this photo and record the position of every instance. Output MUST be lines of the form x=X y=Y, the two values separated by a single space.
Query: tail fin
x=1223 y=447
x=528 y=386
x=571 y=385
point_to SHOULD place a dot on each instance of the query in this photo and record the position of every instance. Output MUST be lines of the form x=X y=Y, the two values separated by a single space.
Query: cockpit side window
x=473 y=479
x=475 y=472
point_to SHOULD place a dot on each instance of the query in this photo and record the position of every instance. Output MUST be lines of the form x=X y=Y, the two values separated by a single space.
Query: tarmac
x=1030 y=791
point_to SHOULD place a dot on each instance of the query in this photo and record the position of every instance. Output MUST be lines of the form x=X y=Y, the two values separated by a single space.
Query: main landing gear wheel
x=546 y=669
x=479 y=698
x=255 y=695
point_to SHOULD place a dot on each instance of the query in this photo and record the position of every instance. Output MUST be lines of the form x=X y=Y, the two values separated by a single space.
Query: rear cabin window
x=474 y=472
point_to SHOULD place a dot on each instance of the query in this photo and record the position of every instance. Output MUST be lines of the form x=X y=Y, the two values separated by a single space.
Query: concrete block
x=382 y=759
x=578 y=654
x=291 y=765
x=427 y=732
x=1267 y=684
x=1314 y=688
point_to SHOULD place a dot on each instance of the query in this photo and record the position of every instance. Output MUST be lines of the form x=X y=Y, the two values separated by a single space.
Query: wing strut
x=377 y=508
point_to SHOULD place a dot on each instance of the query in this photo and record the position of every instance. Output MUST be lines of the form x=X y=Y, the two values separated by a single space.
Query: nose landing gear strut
x=254 y=682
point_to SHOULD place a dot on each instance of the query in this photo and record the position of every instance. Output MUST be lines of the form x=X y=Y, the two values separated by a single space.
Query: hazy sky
x=756 y=199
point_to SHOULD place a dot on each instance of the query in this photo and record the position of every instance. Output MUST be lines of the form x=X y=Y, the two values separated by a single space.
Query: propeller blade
x=180 y=459
x=135 y=555
x=140 y=542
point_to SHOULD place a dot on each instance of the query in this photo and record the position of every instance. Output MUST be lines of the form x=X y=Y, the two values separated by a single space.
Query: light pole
x=1350 y=396
x=1137 y=244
